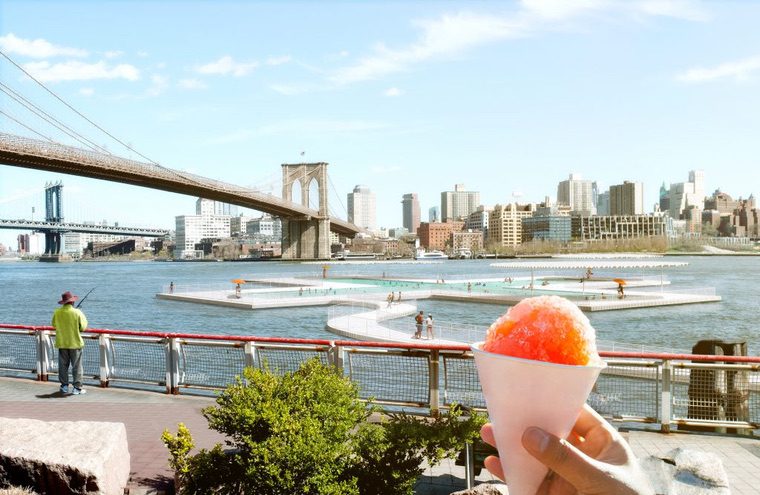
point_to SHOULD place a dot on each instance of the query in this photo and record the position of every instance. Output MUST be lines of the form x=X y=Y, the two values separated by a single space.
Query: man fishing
x=69 y=322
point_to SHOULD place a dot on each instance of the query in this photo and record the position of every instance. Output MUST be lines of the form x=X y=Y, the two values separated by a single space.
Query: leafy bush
x=307 y=432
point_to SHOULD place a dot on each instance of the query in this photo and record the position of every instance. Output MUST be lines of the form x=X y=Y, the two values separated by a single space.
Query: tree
x=308 y=432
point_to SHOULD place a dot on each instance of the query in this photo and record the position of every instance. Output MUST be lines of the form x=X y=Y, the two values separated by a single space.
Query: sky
x=505 y=97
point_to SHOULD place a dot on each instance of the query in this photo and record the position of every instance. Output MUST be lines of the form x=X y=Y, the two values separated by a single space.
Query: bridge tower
x=53 y=213
x=308 y=237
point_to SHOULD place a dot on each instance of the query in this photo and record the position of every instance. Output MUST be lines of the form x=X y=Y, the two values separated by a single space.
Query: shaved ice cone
x=528 y=389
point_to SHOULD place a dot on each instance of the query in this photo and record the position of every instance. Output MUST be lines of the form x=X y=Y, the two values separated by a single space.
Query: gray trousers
x=74 y=358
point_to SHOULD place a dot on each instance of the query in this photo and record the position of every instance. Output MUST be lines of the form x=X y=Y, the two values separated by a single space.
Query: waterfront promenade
x=147 y=414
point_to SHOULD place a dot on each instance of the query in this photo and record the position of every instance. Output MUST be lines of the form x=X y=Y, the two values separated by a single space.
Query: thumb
x=561 y=457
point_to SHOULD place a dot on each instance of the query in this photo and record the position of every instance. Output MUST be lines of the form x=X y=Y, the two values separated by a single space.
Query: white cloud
x=80 y=71
x=159 y=84
x=679 y=9
x=142 y=54
x=393 y=92
x=38 y=48
x=113 y=54
x=284 y=59
x=299 y=127
x=455 y=33
x=560 y=9
x=740 y=70
x=86 y=91
x=191 y=84
x=226 y=66
x=449 y=34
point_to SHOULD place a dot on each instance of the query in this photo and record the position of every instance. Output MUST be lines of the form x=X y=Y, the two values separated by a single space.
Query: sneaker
x=64 y=389
x=79 y=391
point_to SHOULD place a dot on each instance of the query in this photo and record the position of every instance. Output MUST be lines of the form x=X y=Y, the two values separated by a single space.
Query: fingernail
x=535 y=439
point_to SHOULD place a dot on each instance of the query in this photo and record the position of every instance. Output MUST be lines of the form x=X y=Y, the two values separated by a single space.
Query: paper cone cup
x=521 y=393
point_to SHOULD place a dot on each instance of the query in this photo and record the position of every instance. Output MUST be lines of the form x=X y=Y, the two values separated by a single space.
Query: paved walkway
x=147 y=414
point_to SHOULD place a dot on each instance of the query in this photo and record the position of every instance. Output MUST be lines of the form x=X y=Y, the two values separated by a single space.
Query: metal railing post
x=172 y=365
x=667 y=397
x=103 y=341
x=469 y=465
x=434 y=392
x=250 y=354
x=335 y=356
x=43 y=356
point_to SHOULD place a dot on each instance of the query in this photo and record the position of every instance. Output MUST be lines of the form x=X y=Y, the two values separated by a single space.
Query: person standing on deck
x=429 y=324
x=69 y=322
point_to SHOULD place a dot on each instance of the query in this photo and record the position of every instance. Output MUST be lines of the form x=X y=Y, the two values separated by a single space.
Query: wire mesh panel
x=461 y=383
x=286 y=360
x=90 y=360
x=18 y=352
x=390 y=376
x=627 y=390
x=714 y=393
x=211 y=366
x=143 y=361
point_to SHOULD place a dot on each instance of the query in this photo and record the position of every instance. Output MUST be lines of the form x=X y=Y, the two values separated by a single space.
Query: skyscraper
x=627 y=199
x=685 y=194
x=411 y=212
x=577 y=194
x=434 y=214
x=458 y=204
x=361 y=208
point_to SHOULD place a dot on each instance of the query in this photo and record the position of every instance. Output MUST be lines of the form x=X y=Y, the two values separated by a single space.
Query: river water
x=124 y=298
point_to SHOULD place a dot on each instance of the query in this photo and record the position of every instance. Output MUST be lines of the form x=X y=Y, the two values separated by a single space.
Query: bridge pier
x=305 y=239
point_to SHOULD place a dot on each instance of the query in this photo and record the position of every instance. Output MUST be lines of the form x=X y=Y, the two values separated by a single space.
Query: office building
x=685 y=194
x=207 y=207
x=599 y=228
x=627 y=199
x=434 y=215
x=505 y=223
x=664 y=202
x=411 y=212
x=361 y=208
x=205 y=224
x=459 y=203
x=239 y=225
x=478 y=220
x=266 y=227
x=437 y=235
x=549 y=223
x=577 y=194
x=603 y=203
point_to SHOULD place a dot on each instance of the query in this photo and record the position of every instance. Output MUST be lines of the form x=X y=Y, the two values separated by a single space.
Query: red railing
x=388 y=345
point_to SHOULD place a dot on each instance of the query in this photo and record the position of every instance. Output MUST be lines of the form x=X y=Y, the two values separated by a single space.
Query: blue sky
x=505 y=97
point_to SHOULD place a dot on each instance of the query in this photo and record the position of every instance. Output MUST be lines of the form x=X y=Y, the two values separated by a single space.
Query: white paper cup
x=521 y=393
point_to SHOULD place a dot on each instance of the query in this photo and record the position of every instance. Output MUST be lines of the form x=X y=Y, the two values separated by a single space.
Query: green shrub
x=307 y=432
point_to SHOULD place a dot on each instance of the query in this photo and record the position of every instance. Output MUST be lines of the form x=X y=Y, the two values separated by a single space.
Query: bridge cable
x=24 y=125
x=335 y=190
x=152 y=162
x=50 y=119
x=75 y=110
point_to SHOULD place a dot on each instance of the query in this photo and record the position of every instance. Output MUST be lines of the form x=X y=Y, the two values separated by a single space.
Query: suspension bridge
x=306 y=230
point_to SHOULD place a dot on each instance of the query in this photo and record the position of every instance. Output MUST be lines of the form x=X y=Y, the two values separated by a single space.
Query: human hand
x=594 y=460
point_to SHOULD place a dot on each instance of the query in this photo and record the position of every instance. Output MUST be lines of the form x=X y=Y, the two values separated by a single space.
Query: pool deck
x=366 y=324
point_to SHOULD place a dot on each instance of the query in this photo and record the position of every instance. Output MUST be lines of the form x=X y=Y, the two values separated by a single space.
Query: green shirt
x=68 y=323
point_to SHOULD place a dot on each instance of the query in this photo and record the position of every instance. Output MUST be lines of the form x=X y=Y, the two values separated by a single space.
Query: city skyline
x=508 y=99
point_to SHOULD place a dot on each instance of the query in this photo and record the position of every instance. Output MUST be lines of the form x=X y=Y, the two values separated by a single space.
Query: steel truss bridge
x=23 y=152
x=43 y=226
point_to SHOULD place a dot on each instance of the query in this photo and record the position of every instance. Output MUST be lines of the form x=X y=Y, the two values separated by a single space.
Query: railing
x=688 y=391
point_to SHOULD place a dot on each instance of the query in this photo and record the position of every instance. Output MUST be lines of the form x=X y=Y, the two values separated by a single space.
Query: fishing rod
x=85 y=297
